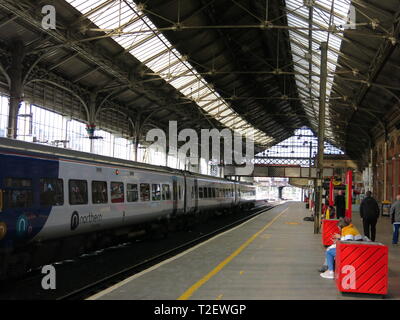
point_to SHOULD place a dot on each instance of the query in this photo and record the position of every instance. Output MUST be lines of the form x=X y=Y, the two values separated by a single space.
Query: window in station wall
x=103 y=145
x=39 y=125
x=4 y=107
x=76 y=135
x=123 y=148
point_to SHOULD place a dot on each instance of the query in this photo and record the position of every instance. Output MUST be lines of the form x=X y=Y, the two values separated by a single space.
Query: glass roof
x=139 y=36
x=326 y=14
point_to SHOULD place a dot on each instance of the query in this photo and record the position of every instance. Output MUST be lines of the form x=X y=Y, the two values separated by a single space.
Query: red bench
x=361 y=267
x=329 y=229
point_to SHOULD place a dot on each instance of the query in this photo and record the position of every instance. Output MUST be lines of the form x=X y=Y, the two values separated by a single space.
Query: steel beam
x=321 y=137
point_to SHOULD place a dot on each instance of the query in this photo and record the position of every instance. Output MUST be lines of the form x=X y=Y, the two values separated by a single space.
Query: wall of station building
x=384 y=168
x=382 y=175
x=51 y=127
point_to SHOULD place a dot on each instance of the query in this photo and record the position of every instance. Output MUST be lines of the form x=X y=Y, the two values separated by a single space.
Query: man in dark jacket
x=369 y=212
x=340 y=204
x=395 y=214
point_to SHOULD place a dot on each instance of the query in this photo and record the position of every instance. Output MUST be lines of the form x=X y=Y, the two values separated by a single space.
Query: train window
x=99 y=192
x=17 y=183
x=117 y=192
x=20 y=194
x=205 y=192
x=18 y=199
x=156 y=192
x=51 y=192
x=201 y=193
x=132 y=192
x=144 y=192
x=213 y=192
x=192 y=194
x=78 y=192
x=180 y=193
x=166 y=193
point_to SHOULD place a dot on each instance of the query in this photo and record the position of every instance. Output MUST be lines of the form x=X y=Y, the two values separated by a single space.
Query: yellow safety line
x=188 y=293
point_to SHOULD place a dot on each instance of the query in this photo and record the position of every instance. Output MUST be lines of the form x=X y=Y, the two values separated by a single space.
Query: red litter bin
x=361 y=267
x=329 y=229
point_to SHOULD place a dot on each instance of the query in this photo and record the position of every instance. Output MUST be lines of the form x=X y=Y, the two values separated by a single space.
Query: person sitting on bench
x=348 y=233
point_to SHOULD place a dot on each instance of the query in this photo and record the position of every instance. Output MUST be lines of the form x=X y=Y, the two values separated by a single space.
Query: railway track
x=84 y=277
x=107 y=282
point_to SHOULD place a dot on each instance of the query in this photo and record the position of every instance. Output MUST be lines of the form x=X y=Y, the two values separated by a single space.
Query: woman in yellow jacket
x=348 y=233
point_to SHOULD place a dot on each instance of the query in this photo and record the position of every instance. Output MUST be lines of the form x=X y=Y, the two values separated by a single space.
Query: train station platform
x=273 y=256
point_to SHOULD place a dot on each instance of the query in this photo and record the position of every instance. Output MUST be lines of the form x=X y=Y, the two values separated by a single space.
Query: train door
x=174 y=196
x=236 y=195
x=185 y=195
x=196 y=195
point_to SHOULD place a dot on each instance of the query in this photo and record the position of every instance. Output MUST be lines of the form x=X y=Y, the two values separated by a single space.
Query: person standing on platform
x=340 y=204
x=395 y=214
x=369 y=212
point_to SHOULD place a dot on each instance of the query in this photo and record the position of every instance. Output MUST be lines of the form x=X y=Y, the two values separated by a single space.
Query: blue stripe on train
x=19 y=225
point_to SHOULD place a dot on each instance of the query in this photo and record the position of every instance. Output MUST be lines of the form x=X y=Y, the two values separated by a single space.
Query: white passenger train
x=56 y=203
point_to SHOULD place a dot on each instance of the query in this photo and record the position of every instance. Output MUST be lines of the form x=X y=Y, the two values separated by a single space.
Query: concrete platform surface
x=273 y=256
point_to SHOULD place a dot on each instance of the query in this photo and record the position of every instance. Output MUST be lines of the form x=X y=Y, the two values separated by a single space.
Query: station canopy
x=249 y=65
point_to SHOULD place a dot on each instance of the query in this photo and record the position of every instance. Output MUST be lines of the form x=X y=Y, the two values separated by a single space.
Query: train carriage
x=50 y=197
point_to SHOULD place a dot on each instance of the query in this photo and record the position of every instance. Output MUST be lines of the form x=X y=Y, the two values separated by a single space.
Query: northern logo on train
x=90 y=218
x=22 y=226
x=74 y=220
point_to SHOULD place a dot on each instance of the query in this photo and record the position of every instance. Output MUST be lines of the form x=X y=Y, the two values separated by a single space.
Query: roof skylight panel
x=203 y=94
x=179 y=68
x=85 y=5
x=110 y=18
x=190 y=81
x=187 y=87
x=180 y=81
x=148 y=54
x=162 y=61
x=218 y=105
x=215 y=107
x=149 y=46
x=209 y=99
x=298 y=17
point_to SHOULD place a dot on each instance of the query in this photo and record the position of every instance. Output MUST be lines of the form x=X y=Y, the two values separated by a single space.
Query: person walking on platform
x=395 y=214
x=369 y=212
x=340 y=204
